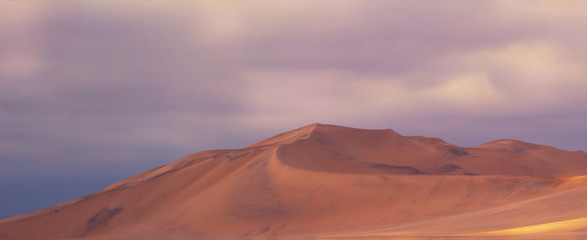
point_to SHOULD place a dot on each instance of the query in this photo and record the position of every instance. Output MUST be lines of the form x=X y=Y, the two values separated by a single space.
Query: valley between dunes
x=332 y=182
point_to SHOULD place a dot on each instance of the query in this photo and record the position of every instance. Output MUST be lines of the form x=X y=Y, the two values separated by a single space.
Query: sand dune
x=332 y=182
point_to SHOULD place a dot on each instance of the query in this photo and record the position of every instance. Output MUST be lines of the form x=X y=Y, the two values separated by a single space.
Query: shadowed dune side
x=338 y=149
x=318 y=181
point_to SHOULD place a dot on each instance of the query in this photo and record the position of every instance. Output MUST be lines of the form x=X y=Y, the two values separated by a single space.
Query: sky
x=92 y=92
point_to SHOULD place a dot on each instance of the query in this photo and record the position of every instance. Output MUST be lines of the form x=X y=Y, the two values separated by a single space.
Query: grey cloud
x=392 y=37
x=113 y=88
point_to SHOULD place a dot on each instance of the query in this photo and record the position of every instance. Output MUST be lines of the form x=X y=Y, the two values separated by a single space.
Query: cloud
x=20 y=53
x=139 y=84
x=472 y=89
x=536 y=75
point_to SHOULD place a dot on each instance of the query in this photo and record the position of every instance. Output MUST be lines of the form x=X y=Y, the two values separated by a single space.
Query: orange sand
x=332 y=182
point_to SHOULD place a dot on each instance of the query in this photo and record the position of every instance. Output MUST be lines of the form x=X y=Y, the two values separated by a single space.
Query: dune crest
x=327 y=181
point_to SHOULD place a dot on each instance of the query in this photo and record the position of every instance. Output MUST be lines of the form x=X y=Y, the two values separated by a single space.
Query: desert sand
x=332 y=182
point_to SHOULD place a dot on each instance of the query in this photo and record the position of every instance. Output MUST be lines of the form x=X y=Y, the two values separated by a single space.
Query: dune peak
x=326 y=181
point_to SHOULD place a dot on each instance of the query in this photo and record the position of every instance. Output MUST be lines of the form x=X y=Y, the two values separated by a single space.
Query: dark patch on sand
x=458 y=152
x=397 y=169
x=453 y=169
x=101 y=218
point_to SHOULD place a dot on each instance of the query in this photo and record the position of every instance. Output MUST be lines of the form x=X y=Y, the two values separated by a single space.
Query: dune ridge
x=330 y=182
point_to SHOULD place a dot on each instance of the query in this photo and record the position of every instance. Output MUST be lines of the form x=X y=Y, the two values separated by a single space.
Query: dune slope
x=326 y=181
